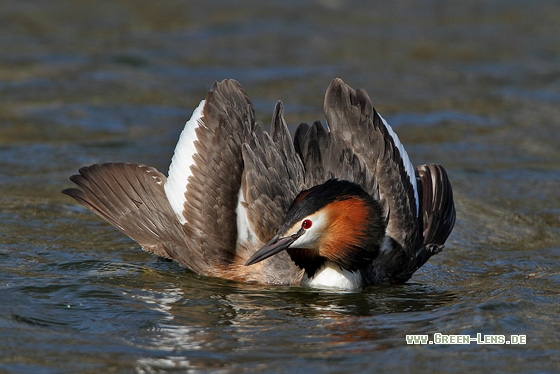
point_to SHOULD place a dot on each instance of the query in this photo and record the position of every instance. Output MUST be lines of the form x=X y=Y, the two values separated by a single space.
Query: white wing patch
x=180 y=168
x=245 y=233
x=408 y=167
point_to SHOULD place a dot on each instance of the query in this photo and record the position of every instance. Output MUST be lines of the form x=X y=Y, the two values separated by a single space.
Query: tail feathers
x=437 y=212
x=437 y=207
x=398 y=265
x=131 y=198
x=437 y=217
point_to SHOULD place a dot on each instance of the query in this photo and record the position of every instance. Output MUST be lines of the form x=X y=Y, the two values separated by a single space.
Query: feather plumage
x=232 y=187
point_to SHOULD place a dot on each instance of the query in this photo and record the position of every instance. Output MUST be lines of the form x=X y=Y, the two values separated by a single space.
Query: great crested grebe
x=337 y=207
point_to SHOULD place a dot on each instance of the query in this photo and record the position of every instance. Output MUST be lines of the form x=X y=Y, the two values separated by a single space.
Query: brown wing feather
x=272 y=178
x=212 y=190
x=351 y=116
x=273 y=175
x=131 y=198
x=326 y=156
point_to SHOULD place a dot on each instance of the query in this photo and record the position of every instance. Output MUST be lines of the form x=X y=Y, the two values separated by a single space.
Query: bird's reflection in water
x=204 y=315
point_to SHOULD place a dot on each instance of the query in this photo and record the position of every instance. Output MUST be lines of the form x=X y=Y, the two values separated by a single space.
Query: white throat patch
x=332 y=276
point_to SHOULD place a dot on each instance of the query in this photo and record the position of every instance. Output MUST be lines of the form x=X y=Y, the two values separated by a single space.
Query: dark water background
x=473 y=85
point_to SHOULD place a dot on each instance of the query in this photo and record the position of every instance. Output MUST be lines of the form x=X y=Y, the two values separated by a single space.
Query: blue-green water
x=472 y=85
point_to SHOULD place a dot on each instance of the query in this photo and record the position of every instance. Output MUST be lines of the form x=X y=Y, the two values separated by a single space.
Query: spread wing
x=230 y=184
x=351 y=117
x=272 y=177
x=131 y=198
x=205 y=173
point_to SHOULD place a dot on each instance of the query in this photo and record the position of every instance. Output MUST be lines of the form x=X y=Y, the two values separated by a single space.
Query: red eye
x=306 y=224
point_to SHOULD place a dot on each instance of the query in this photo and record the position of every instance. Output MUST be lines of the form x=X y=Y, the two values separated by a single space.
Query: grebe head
x=336 y=221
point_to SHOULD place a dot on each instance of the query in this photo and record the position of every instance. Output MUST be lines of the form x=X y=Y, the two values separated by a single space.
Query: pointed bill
x=274 y=246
